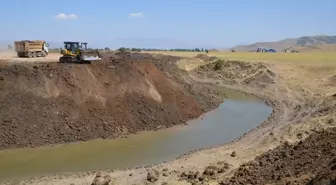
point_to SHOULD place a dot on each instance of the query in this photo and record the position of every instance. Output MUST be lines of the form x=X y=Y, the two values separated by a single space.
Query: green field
x=253 y=56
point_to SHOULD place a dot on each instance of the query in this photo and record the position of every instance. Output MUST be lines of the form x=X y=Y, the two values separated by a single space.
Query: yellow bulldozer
x=76 y=52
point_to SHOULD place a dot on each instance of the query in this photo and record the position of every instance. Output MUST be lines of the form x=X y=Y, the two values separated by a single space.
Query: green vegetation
x=218 y=65
x=54 y=50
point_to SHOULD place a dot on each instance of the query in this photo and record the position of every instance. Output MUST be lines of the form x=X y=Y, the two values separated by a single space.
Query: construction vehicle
x=75 y=52
x=31 y=48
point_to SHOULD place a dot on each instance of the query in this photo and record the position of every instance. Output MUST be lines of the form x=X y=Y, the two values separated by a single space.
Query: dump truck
x=31 y=48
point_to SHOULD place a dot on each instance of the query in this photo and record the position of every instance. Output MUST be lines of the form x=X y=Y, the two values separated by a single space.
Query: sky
x=165 y=23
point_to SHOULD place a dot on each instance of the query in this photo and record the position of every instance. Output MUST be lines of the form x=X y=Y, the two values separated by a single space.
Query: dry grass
x=316 y=48
x=190 y=63
x=316 y=72
x=275 y=57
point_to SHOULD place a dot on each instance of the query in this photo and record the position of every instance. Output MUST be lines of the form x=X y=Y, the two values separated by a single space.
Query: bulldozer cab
x=71 y=46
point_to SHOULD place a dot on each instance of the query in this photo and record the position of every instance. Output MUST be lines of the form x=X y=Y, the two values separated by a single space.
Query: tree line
x=125 y=49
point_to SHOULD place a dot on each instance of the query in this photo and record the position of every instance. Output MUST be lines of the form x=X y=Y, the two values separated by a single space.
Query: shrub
x=122 y=49
x=218 y=65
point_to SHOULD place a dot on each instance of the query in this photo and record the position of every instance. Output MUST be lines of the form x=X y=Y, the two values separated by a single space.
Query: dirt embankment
x=304 y=102
x=122 y=94
x=296 y=92
x=309 y=162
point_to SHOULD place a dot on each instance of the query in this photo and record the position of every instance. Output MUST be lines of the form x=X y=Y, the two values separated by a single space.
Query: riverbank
x=121 y=95
x=302 y=100
x=305 y=96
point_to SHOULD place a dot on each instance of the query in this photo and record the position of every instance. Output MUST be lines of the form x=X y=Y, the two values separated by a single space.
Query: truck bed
x=28 y=46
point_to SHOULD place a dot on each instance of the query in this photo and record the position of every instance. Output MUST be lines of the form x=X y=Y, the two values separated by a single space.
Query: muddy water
x=237 y=115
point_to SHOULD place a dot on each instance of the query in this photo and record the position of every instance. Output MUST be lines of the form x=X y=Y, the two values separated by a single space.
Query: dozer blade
x=90 y=55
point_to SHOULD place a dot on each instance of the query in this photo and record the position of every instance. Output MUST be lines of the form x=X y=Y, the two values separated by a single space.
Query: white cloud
x=63 y=16
x=137 y=15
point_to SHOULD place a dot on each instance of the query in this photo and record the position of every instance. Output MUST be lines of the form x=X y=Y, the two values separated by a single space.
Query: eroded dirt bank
x=304 y=102
x=125 y=93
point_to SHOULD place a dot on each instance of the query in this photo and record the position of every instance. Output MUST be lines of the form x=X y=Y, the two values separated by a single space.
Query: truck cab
x=45 y=47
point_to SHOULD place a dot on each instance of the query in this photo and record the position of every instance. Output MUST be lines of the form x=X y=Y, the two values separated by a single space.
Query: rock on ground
x=101 y=179
x=153 y=176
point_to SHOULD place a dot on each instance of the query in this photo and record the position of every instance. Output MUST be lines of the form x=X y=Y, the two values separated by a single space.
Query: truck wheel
x=30 y=54
x=34 y=54
x=44 y=54
x=19 y=54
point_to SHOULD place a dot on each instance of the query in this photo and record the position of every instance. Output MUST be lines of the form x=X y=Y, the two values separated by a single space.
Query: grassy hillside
x=253 y=56
x=315 y=48
x=304 y=41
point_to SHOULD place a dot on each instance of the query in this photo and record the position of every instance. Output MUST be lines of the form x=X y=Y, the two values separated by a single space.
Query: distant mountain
x=305 y=41
x=315 y=48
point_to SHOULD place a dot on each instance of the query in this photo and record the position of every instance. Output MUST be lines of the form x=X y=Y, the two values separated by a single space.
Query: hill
x=315 y=48
x=303 y=42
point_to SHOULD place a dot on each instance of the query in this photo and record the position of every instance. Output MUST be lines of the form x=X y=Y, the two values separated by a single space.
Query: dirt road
x=11 y=56
x=304 y=102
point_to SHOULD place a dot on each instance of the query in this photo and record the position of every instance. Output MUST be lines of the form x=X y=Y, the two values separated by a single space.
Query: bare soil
x=205 y=57
x=304 y=103
x=308 y=162
x=11 y=56
x=52 y=103
x=304 y=106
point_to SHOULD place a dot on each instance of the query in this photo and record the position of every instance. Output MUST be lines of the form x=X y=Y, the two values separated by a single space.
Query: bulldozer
x=76 y=52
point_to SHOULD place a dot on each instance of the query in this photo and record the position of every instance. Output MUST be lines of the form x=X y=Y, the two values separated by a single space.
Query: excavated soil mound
x=309 y=162
x=205 y=57
x=236 y=72
x=122 y=94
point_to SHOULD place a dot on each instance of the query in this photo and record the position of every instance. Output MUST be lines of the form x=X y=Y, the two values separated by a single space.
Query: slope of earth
x=311 y=161
x=304 y=101
x=303 y=95
x=52 y=103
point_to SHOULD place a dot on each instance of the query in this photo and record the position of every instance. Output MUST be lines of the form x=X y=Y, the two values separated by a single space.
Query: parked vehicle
x=31 y=48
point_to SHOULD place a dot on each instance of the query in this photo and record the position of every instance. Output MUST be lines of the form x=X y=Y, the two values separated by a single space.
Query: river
x=238 y=114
